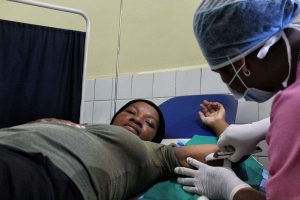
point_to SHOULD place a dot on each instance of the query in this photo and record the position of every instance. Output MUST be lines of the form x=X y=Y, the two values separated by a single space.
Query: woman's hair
x=159 y=135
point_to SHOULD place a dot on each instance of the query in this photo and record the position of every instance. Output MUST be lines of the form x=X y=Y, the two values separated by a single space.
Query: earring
x=246 y=71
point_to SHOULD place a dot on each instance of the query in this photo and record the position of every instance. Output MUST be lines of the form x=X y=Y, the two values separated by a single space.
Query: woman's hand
x=213 y=115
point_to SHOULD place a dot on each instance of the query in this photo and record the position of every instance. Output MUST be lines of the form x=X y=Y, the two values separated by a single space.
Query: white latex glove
x=213 y=182
x=243 y=138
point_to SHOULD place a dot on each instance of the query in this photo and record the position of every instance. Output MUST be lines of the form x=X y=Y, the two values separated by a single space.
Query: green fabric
x=168 y=190
x=249 y=171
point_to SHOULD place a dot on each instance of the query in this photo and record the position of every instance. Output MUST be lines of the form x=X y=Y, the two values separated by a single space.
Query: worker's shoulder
x=290 y=94
x=288 y=100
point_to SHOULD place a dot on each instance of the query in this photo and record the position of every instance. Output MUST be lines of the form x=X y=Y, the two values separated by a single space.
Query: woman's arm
x=198 y=152
x=213 y=115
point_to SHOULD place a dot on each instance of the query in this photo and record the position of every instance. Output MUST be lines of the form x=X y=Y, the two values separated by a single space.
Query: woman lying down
x=57 y=159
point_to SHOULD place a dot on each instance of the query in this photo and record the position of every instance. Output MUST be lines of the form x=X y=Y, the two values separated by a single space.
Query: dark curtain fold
x=41 y=71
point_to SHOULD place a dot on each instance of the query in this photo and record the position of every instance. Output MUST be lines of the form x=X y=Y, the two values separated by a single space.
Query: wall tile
x=159 y=87
x=120 y=103
x=142 y=85
x=211 y=83
x=88 y=112
x=188 y=82
x=124 y=87
x=159 y=101
x=247 y=112
x=102 y=112
x=89 y=90
x=104 y=88
x=164 y=84
x=113 y=89
x=265 y=108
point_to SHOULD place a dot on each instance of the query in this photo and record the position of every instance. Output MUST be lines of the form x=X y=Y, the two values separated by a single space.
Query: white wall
x=159 y=87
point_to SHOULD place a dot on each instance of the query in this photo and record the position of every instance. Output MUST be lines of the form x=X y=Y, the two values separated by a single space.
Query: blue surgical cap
x=228 y=30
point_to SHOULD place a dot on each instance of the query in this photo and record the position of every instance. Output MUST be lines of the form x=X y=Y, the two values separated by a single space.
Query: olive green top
x=104 y=161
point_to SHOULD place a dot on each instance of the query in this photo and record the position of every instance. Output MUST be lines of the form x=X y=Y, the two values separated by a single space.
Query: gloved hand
x=213 y=182
x=242 y=139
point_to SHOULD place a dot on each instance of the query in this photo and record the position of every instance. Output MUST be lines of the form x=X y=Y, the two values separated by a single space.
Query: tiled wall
x=160 y=86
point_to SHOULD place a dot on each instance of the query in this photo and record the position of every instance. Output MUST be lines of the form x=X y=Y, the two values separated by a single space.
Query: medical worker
x=254 y=45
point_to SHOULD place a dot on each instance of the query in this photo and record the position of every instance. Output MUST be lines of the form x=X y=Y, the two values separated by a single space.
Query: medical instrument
x=243 y=138
x=225 y=155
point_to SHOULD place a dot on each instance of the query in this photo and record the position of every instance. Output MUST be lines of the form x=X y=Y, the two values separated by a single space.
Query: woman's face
x=139 y=118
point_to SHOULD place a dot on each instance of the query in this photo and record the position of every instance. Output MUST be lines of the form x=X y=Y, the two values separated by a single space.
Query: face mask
x=254 y=94
x=251 y=94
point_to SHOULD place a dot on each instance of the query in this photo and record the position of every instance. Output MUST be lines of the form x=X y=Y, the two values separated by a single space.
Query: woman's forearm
x=219 y=127
x=198 y=152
